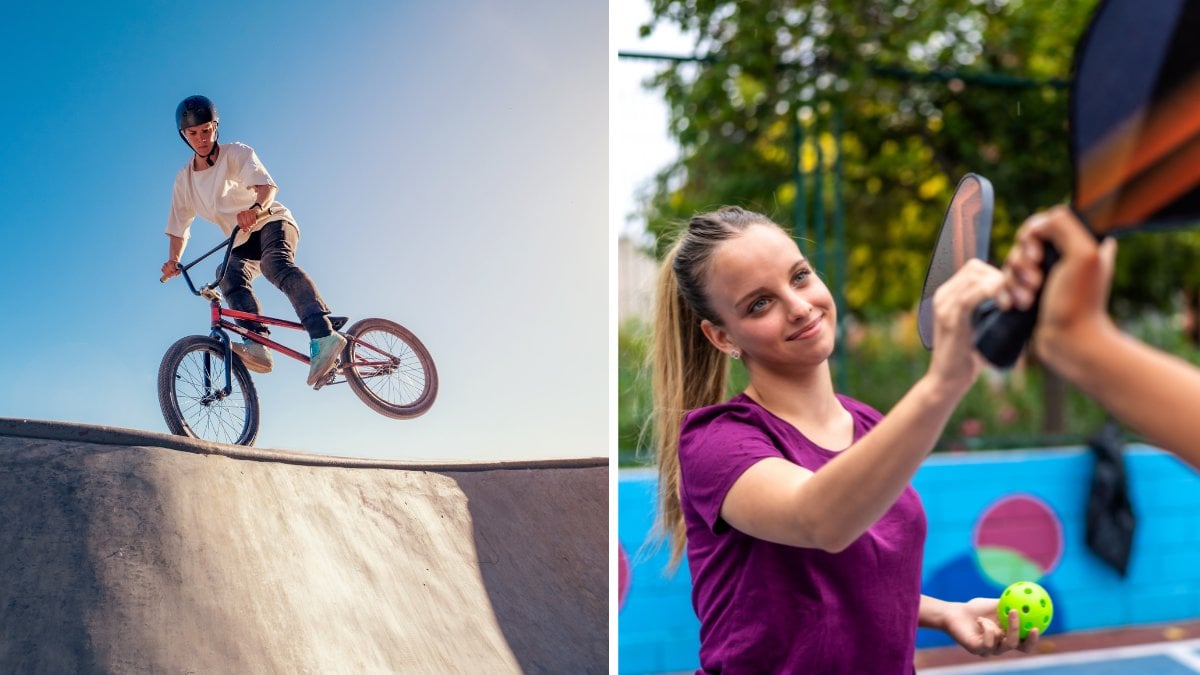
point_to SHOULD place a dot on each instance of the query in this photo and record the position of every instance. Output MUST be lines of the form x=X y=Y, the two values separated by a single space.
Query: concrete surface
x=125 y=551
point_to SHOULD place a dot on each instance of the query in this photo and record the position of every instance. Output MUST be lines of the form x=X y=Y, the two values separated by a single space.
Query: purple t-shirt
x=767 y=607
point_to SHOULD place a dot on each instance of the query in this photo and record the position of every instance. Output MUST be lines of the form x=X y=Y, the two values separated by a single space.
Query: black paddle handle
x=1000 y=336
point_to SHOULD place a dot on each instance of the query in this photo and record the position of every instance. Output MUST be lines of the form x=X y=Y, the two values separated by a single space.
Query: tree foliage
x=924 y=91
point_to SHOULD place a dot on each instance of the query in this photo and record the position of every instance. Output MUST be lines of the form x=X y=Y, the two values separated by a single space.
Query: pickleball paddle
x=966 y=233
x=1134 y=127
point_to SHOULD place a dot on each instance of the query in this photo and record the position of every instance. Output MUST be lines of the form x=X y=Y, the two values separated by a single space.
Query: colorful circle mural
x=623 y=576
x=1018 y=538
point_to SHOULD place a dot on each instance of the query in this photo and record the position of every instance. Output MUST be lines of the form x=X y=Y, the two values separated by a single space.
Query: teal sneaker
x=324 y=353
x=255 y=356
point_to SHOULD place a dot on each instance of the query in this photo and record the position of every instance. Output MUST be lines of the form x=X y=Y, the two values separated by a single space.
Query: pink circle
x=1023 y=524
x=623 y=576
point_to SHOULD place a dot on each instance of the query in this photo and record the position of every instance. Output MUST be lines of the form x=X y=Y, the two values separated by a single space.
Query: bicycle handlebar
x=183 y=269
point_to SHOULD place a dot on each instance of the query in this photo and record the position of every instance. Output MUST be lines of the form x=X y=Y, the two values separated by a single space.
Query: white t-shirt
x=220 y=192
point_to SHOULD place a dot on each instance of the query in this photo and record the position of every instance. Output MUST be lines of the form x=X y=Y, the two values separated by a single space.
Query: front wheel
x=191 y=384
x=389 y=369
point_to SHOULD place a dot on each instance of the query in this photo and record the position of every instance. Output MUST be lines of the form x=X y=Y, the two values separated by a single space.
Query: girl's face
x=772 y=306
x=201 y=137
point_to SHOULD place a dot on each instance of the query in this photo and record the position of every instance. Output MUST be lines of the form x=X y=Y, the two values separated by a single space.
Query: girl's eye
x=801 y=276
x=756 y=306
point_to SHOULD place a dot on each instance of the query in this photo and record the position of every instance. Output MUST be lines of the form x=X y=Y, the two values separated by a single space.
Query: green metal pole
x=839 y=252
x=819 y=221
x=800 y=206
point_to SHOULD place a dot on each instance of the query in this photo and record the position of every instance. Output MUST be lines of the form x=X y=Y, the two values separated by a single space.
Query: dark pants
x=271 y=251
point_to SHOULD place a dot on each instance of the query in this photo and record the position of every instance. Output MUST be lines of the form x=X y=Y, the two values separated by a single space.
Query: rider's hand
x=247 y=218
x=170 y=269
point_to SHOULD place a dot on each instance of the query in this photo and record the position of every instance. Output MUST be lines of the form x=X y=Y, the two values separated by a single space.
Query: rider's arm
x=174 y=255
x=265 y=194
x=175 y=249
x=179 y=223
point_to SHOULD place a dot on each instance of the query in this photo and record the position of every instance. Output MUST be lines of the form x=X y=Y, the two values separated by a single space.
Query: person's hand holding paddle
x=1073 y=310
x=1134 y=137
x=1151 y=391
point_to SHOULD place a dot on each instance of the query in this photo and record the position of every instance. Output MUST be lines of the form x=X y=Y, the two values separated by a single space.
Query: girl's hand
x=973 y=625
x=170 y=269
x=954 y=358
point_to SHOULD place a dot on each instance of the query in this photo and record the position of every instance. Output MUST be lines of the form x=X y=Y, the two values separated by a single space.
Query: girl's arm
x=973 y=624
x=778 y=501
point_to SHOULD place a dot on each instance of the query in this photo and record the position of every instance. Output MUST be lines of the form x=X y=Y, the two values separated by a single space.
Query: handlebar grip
x=163 y=278
x=1000 y=336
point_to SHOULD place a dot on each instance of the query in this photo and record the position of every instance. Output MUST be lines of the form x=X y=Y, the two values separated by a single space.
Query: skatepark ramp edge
x=131 y=551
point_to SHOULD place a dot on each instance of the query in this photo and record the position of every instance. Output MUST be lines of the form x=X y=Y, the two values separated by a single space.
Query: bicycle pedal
x=328 y=379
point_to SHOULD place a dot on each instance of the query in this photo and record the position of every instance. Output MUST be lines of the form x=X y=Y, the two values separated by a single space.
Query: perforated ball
x=1032 y=602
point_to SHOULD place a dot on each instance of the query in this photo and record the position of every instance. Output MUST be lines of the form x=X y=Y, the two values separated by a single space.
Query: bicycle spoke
x=400 y=378
x=389 y=369
x=216 y=419
x=191 y=393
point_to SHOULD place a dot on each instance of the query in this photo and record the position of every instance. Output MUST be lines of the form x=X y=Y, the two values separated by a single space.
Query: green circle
x=1005 y=566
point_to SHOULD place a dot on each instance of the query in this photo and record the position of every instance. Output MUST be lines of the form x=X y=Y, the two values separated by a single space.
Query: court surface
x=1160 y=658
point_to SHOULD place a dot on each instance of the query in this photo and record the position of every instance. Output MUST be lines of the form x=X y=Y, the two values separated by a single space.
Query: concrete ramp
x=125 y=551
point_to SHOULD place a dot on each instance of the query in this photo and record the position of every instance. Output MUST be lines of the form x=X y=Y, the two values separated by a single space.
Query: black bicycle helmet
x=195 y=110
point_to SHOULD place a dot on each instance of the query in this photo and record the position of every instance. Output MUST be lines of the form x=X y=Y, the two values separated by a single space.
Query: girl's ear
x=718 y=336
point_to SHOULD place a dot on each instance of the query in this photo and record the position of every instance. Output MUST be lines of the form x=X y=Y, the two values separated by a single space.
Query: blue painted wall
x=658 y=632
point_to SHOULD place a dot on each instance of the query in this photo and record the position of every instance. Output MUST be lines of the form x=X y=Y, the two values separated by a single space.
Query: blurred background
x=851 y=123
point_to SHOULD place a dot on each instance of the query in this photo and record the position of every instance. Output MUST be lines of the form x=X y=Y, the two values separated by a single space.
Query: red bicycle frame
x=219 y=322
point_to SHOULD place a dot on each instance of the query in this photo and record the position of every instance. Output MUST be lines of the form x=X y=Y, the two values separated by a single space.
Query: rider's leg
x=239 y=295
x=235 y=285
x=279 y=240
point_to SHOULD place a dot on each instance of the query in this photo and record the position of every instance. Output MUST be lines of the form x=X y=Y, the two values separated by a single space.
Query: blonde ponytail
x=688 y=371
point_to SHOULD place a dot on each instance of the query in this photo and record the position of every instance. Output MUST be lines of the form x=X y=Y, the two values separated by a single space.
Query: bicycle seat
x=338 y=321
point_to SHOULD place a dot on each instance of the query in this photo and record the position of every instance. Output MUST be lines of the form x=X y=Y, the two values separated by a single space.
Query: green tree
x=909 y=95
x=925 y=92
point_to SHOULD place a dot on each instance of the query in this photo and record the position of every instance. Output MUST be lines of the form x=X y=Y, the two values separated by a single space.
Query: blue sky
x=447 y=163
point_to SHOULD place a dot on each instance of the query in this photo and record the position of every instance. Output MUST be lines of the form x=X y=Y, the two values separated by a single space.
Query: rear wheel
x=191 y=383
x=389 y=369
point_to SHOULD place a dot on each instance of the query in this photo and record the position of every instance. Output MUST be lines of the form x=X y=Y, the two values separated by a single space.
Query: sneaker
x=255 y=356
x=324 y=353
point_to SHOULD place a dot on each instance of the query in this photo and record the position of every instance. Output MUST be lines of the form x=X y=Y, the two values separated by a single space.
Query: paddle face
x=1135 y=116
x=1134 y=137
x=966 y=233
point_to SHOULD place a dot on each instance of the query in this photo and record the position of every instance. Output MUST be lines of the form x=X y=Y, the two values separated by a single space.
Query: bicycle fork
x=212 y=395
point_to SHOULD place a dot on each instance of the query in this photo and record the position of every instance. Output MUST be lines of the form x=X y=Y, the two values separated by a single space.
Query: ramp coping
x=103 y=435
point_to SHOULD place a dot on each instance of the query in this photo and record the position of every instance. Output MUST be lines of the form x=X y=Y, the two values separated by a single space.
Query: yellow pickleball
x=1033 y=605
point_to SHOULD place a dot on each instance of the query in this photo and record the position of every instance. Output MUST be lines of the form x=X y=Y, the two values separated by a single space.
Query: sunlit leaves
x=909 y=133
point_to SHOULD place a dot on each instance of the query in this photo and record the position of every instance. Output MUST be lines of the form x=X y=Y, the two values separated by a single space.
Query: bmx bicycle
x=205 y=390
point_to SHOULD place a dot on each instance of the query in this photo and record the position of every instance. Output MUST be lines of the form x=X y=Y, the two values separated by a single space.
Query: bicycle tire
x=410 y=374
x=182 y=394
